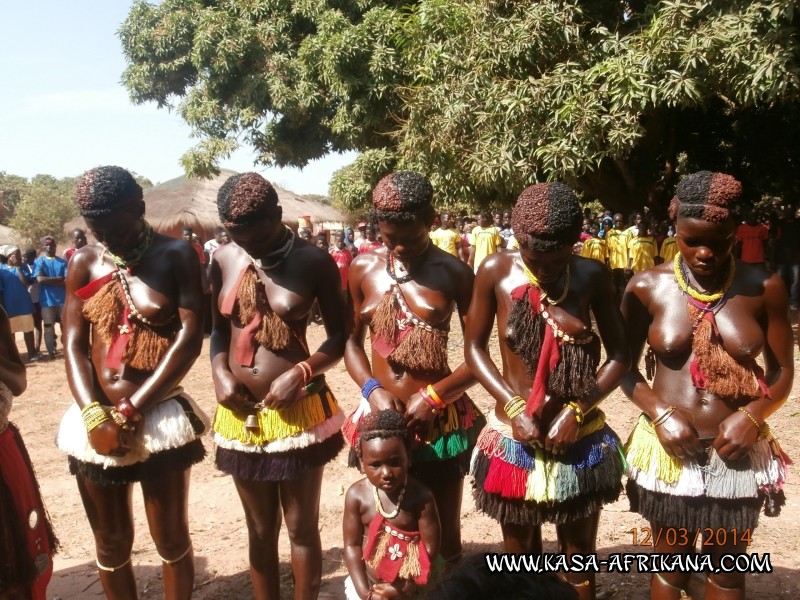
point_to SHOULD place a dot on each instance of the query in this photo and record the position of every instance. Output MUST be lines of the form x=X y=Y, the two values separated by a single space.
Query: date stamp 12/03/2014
x=679 y=536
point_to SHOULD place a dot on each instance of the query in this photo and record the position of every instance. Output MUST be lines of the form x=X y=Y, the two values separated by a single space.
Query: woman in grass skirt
x=546 y=454
x=701 y=459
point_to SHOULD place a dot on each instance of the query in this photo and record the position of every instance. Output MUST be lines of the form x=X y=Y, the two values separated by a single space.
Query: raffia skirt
x=305 y=435
x=169 y=439
x=443 y=453
x=712 y=493
x=520 y=484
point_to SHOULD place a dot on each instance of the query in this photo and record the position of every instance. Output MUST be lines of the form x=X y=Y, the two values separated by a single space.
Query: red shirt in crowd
x=752 y=238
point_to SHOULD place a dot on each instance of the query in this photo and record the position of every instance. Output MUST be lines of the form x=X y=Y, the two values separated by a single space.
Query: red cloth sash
x=122 y=335
x=549 y=354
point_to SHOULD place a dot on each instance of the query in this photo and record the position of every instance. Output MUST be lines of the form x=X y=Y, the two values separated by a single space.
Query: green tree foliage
x=486 y=96
x=11 y=189
x=46 y=205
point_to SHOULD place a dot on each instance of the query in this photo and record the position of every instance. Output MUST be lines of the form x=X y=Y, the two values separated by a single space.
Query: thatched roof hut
x=181 y=202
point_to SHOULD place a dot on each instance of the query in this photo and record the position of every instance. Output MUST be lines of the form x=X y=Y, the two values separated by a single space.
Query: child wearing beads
x=391 y=524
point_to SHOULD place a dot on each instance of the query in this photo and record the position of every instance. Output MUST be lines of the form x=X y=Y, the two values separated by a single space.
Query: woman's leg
x=668 y=586
x=448 y=495
x=300 y=501
x=109 y=510
x=518 y=539
x=263 y=517
x=724 y=586
x=166 y=503
x=579 y=537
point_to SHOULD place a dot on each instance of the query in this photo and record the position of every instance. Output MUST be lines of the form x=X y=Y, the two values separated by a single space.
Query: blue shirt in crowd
x=51 y=295
x=16 y=299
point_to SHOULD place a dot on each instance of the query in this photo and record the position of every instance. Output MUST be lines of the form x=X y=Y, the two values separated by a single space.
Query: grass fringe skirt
x=715 y=494
x=516 y=483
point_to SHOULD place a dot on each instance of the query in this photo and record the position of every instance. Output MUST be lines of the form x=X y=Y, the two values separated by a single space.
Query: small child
x=391 y=525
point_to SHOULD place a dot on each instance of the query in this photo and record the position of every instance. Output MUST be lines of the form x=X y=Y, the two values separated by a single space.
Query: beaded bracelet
x=435 y=397
x=308 y=372
x=126 y=408
x=93 y=415
x=576 y=410
x=662 y=418
x=514 y=407
x=749 y=416
x=370 y=386
x=430 y=401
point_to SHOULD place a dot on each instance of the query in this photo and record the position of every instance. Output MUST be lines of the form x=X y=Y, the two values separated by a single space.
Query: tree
x=44 y=208
x=486 y=96
x=11 y=188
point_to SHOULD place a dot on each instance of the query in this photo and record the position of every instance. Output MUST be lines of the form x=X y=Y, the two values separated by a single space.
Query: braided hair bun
x=546 y=217
x=705 y=195
x=104 y=191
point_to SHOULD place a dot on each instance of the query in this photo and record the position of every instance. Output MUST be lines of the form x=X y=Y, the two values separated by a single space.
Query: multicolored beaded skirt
x=443 y=453
x=169 y=439
x=289 y=441
x=520 y=484
x=712 y=493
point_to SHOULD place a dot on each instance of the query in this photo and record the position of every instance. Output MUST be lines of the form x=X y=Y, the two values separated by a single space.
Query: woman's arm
x=12 y=371
x=289 y=385
x=189 y=340
x=355 y=357
x=738 y=432
x=77 y=332
x=480 y=320
x=676 y=434
x=353 y=535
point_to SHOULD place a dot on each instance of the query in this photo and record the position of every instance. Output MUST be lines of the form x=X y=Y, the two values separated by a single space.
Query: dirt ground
x=219 y=533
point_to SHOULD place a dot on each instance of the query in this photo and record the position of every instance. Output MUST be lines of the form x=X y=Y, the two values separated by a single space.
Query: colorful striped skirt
x=525 y=485
x=443 y=452
x=712 y=493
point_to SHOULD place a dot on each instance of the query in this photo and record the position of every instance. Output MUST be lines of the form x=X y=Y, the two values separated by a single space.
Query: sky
x=63 y=109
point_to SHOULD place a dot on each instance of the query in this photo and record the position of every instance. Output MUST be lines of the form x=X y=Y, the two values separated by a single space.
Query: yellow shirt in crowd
x=486 y=241
x=669 y=248
x=595 y=248
x=642 y=253
x=617 y=248
x=448 y=240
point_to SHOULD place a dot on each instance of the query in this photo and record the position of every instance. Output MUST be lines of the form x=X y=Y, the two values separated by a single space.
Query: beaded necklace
x=379 y=506
x=126 y=290
x=708 y=299
x=137 y=253
x=278 y=255
x=542 y=292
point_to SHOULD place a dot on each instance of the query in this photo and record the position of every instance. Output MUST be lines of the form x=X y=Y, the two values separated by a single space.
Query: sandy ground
x=219 y=533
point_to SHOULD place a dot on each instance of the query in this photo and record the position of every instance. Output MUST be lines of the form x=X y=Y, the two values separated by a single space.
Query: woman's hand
x=233 y=394
x=527 y=430
x=109 y=439
x=563 y=432
x=287 y=388
x=736 y=436
x=679 y=437
x=418 y=413
x=380 y=399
